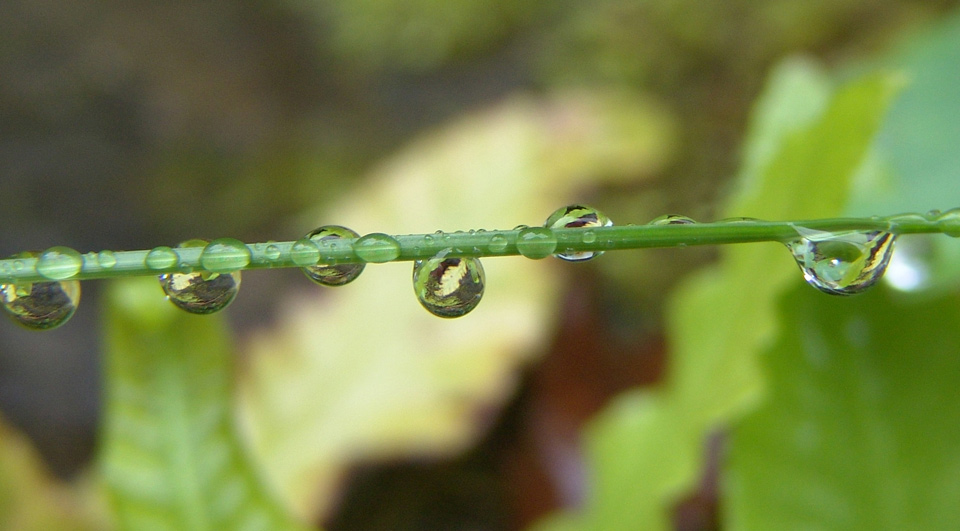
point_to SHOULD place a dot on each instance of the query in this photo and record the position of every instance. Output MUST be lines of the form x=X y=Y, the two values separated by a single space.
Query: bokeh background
x=127 y=125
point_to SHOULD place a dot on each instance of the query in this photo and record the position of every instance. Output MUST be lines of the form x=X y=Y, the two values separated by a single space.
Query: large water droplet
x=40 y=305
x=672 y=219
x=161 y=258
x=327 y=272
x=448 y=287
x=536 y=242
x=200 y=292
x=224 y=255
x=59 y=263
x=377 y=248
x=578 y=216
x=842 y=263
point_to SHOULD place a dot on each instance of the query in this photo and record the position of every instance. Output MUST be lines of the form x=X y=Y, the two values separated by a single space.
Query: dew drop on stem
x=200 y=292
x=40 y=305
x=59 y=263
x=672 y=219
x=327 y=272
x=225 y=255
x=448 y=286
x=377 y=248
x=536 y=242
x=842 y=263
x=578 y=217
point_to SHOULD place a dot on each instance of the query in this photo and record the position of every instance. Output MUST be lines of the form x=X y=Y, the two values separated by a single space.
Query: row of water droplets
x=447 y=284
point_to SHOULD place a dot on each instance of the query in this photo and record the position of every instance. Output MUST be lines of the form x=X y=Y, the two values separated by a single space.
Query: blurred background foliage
x=126 y=125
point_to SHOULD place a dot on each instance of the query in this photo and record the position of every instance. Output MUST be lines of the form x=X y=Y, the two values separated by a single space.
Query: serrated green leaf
x=645 y=448
x=859 y=427
x=170 y=455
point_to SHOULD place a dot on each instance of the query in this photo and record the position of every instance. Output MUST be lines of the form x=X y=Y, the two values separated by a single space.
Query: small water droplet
x=272 y=252
x=739 y=219
x=672 y=219
x=521 y=227
x=224 y=255
x=40 y=305
x=305 y=253
x=18 y=265
x=428 y=239
x=106 y=259
x=578 y=216
x=161 y=258
x=329 y=273
x=536 y=242
x=377 y=248
x=59 y=263
x=842 y=263
x=498 y=243
x=448 y=287
x=950 y=221
x=200 y=292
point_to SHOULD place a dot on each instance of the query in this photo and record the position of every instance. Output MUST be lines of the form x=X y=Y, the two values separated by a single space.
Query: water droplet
x=498 y=243
x=739 y=219
x=305 y=253
x=521 y=227
x=40 y=305
x=589 y=236
x=59 y=263
x=161 y=258
x=578 y=216
x=272 y=252
x=428 y=239
x=377 y=248
x=106 y=259
x=331 y=274
x=842 y=263
x=672 y=219
x=224 y=255
x=448 y=287
x=200 y=292
x=950 y=221
x=536 y=242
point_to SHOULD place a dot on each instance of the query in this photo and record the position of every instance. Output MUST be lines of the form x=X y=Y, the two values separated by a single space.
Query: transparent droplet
x=536 y=242
x=448 y=287
x=498 y=243
x=200 y=292
x=59 y=263
x=272 y=252
x=40 y=305
x=672 y=219
x=225 y=255
x=161 y=258
x=305 y=253
x=106 y=259
x=332 y=274
x=377 y=248
x=950 y=221
x=578 y=216
x=842 y=263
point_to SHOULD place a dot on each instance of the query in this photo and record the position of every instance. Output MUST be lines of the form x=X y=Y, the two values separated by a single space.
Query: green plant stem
x=477 y=244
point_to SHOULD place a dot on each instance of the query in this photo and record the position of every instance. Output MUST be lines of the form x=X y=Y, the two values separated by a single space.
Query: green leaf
x=859 y=430
x=170 y=456
x=362 y=372
x=645 y=447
